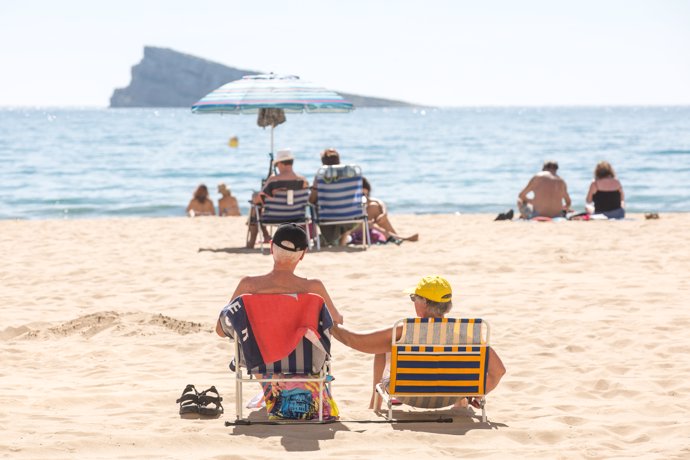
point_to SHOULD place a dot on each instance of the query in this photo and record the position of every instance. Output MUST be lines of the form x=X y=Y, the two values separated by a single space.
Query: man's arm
x=522 y=196
x=243 y=287
x=313 y=196
x=317 y=287
x=566 y=197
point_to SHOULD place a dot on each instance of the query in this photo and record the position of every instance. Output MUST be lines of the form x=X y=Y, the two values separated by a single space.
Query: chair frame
x=388 y=397
x=322 y=380
x=366 y=241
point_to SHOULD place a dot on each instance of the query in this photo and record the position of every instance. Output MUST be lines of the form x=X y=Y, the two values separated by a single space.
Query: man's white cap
x=283 y=155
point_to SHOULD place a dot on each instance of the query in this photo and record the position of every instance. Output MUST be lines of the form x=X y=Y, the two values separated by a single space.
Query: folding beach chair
x=287 y=205
x=340 y=200
x=282 y=339
x=436 y=362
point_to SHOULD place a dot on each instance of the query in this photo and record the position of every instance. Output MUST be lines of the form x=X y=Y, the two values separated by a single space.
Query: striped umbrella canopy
x=270 y=96
x=271 y=91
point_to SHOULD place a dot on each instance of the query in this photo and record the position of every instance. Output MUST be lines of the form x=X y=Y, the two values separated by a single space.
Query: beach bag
x=298 y=401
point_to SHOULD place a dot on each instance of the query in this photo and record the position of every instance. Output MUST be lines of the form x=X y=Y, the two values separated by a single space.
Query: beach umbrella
x=271 y=96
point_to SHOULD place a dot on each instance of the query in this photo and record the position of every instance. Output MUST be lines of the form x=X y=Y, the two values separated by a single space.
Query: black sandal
x=189 y=400
x=209 y=402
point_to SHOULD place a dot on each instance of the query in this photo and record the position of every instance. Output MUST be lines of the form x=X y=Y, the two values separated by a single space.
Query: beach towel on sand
x=270 y=326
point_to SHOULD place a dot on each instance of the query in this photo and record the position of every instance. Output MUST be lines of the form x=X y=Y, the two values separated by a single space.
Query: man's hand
x=338 y=318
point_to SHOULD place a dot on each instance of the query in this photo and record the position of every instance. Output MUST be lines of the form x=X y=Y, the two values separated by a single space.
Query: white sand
x=590 y=319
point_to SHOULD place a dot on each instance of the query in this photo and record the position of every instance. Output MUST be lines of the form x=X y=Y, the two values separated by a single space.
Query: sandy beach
x=105 y=322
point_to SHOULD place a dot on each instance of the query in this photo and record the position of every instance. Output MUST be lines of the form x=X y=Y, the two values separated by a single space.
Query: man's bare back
x=550 y=195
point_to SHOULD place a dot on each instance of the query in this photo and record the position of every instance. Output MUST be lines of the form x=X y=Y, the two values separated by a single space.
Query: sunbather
x=201 y=205
x=288 y=247
x=432 y=298
x=550 y=194
x=227 y=204
x=378 y=218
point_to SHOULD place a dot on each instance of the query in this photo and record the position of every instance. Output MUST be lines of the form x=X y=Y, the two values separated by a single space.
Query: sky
x=428 y=52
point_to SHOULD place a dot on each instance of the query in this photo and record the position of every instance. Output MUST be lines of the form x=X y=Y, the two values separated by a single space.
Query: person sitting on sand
x=605 y=195
x=201 y=205
x=288 y=247
x=377 y=214
x=550 y=192
x=286 y=178
x=432 y=298
x=227 y=204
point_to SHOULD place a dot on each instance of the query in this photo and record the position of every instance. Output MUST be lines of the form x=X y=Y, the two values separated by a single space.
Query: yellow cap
x=433 y=287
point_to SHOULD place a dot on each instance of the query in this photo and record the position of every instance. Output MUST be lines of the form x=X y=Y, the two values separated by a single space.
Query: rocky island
x=167 y=78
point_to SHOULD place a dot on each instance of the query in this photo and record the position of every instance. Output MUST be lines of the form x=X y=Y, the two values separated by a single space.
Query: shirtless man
x=285 y=179
x=288 y=247
x=550 y=192
x=378 y=216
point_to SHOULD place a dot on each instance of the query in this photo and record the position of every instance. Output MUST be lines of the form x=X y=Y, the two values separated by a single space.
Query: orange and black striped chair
x=436 y=362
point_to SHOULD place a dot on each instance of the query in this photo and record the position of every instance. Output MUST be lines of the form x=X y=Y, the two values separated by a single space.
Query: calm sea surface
x=72 y=163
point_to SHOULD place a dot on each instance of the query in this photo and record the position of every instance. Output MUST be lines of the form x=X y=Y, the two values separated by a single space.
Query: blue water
x=72 y=163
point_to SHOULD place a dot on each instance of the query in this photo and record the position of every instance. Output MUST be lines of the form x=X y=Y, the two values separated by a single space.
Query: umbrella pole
x=270 y=157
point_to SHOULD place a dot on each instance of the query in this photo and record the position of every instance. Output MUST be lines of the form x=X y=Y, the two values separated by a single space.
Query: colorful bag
x=298 y=401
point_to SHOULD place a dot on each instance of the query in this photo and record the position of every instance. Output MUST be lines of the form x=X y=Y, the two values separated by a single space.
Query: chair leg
x=365 y=232
x=238 y=393
x=321 y=401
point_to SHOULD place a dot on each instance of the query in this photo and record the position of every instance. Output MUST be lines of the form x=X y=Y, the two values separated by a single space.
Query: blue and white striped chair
x=340 y=199
x=436 y=362
x=286 y=206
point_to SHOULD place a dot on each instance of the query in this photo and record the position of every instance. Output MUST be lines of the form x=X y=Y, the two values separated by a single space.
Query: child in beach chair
x=283 y=342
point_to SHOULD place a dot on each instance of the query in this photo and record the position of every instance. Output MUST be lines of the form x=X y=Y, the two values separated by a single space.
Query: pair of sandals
x=207 y=403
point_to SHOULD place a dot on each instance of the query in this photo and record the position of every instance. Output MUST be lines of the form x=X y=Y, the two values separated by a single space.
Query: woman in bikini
x=200 y=205
x=227 y=204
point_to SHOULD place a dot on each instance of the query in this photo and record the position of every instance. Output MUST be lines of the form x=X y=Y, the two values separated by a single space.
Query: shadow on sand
x=267 y=251
x=304 y=437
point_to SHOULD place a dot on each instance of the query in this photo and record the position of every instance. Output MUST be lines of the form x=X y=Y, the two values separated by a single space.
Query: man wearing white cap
x=285 y=179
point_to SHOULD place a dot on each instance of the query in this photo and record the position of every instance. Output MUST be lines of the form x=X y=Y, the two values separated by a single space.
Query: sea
x=73 y=163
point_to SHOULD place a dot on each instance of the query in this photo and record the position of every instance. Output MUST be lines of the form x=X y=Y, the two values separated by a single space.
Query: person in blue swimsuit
x=605 y=195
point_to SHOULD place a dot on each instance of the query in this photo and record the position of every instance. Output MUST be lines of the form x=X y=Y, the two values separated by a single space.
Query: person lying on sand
x=432 y=298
